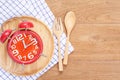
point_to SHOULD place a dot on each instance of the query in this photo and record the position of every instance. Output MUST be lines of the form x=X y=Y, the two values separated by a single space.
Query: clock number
x=34 y=52
x=30 y=37
x=34 y=41
x=19 y=57
x=13 y=47
x=19 y=37
x=14 y=41
x=15 y=52
x=36 y=47
x=30 y=56
x=24 y=58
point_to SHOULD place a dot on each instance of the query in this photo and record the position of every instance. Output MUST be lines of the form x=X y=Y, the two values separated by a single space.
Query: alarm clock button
x=25 y=24
x=5 y=35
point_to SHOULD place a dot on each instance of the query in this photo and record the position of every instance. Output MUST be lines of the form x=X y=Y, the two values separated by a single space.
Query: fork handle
x=65 y=61
x=59 y=56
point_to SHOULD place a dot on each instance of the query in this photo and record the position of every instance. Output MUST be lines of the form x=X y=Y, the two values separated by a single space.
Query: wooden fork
x=58 y=30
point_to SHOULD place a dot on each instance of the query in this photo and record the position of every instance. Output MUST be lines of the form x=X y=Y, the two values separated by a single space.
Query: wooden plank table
x=96 y=39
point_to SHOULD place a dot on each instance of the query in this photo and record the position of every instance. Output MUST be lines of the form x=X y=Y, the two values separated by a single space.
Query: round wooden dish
x=48 y=47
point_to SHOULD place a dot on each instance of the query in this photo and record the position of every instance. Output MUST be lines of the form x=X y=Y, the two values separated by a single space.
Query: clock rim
x=40 y=42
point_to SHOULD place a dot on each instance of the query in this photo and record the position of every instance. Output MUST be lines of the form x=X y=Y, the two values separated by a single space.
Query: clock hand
x=24 y=44
x=29 y=44
x=34 y=42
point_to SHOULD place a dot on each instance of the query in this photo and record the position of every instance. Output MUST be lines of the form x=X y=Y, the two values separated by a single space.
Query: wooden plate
x=48 y=47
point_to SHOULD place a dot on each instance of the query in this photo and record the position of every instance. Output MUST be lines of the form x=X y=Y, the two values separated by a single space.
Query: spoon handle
x=65 y=61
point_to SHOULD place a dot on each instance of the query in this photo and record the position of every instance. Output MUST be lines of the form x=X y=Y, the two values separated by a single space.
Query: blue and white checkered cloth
x=39 y=10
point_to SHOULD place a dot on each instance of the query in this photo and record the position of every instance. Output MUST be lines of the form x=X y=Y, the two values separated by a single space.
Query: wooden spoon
x=70 y=19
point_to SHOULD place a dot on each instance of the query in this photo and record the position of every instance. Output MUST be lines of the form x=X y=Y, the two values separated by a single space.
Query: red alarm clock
x=24 y=46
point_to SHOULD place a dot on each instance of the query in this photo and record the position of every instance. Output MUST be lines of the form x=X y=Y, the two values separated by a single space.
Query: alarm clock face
x=25 y=46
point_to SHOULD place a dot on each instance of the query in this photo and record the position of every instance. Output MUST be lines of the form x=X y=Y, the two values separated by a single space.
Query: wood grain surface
x=96 y=39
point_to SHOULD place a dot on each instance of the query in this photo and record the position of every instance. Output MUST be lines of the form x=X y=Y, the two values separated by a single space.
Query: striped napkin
x=39 y=10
